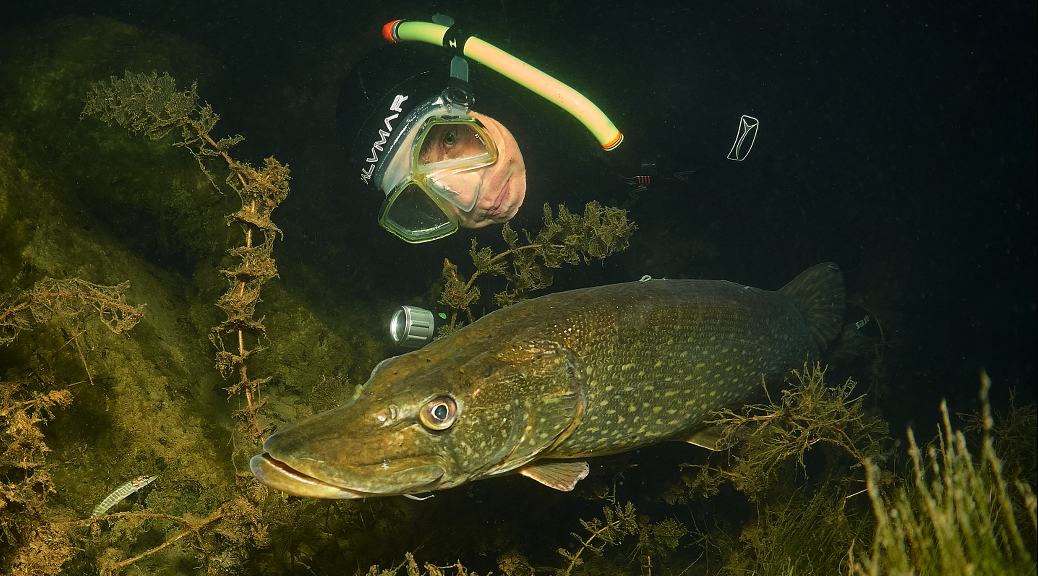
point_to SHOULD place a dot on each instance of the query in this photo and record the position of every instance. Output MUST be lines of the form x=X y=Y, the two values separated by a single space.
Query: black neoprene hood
x=379 y=93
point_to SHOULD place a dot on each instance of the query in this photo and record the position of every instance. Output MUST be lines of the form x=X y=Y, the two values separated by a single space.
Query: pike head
x=452 y=412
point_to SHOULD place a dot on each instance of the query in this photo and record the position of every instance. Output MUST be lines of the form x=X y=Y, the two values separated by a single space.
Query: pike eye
x=439 y=414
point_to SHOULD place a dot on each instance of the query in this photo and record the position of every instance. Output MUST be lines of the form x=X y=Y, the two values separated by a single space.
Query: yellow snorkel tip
x=515 y=69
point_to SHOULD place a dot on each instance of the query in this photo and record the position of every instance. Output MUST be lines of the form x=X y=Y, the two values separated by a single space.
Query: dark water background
x=896 y=140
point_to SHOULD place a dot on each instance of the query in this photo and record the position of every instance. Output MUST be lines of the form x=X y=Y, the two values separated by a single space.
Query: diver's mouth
x=283 y=477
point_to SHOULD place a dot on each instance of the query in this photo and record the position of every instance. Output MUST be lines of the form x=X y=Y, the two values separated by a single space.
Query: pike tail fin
x=818 y=293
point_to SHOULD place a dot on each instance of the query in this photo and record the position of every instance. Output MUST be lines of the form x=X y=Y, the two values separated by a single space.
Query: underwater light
x=412 y=327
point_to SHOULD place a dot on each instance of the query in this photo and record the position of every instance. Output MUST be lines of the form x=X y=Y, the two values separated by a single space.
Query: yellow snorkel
x=522 y=73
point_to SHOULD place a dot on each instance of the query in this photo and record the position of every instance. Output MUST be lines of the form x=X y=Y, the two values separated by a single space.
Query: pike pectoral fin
x=713 y=438
x=561 y=476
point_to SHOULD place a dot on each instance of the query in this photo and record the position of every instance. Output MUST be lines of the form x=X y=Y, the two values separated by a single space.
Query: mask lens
x=454 y=145
x=412 y=215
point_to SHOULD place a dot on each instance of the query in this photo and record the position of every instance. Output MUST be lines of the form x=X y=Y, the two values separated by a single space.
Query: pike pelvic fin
x=560 y=475
x=713 y=438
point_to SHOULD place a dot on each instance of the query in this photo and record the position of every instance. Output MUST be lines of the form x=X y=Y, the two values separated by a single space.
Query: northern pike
x=537 y=387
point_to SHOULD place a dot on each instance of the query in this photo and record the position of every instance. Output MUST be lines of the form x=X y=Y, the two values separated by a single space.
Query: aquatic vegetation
x=260 y=192
x=1013 y=436
x=616 y=523
x=155 y=406
x=809 y=414
x=651 y=548
x=805 y=532
x=411 y=566
x=567 y=239
x=26 y=480
x=152 y=106
x=67 y=300
x=807 y=512
x=30 y=544
x=956 y=516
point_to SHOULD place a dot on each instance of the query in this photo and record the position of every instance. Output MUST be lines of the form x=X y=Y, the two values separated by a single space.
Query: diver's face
x=503 y=183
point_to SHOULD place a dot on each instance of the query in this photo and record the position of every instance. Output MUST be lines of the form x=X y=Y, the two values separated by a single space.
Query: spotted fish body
x=538 y=386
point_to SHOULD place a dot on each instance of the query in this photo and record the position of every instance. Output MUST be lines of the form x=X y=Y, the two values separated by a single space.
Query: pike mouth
x=277 y=474
x=281 y=476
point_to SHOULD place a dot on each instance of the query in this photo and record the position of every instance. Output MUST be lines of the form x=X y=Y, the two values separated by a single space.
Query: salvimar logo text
x=376 y=147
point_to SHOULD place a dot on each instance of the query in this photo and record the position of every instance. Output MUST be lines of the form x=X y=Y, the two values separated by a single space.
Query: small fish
x=537 y=387
x=121 y=493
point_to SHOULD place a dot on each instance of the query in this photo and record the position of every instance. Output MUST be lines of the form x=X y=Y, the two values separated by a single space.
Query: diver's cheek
x=517 y=191
x=508 y=196
x=511 y=198
x=501 y=195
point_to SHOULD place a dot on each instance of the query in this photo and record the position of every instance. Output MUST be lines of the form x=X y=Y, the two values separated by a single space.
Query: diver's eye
x=451 y=137
x=439 y=414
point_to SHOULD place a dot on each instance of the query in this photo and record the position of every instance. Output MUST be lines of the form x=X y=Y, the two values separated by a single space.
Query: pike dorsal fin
x=560 y=475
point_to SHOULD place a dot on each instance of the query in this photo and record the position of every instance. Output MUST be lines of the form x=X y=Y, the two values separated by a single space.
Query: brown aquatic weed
x=566 y=239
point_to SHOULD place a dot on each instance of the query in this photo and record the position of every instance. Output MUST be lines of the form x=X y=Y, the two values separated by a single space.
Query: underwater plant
x=616 y=523
x=30 y=544
x=1013 y=436
x=67 y=300
x=260 y=191
x=411 y=566
x=956 y=516
x=569 y=238
x=152 y=106
x=809 y=414
x=806 y=511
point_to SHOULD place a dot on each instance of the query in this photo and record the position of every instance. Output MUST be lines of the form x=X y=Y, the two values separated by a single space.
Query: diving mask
x=434 y=170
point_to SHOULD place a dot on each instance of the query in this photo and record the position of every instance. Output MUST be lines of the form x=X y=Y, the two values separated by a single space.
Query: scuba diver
x=422 y=143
